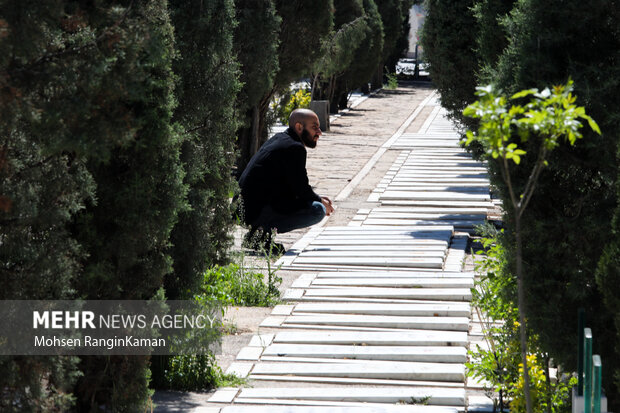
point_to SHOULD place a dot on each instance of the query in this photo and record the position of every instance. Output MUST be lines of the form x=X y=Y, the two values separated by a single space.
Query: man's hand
x=327 y=203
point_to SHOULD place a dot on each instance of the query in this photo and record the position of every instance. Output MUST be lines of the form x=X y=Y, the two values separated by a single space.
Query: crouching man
x=274 y=186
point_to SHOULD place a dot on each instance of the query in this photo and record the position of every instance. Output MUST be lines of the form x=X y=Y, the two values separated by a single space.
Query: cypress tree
x=367 y=56
x=256 y=45
x=350 y=30
x=138 y=177
x=207 y=86
x=392 y=21
x=569 y=218
x=449 y=42
x=92 y=163
x=304 y=26
x=492 y=38
x=43 y=183
x=401 y=45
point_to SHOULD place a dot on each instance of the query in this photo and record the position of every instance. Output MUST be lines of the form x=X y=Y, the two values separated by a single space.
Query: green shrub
x=192 y=373
x=299 y=99
x=499 y=365
x=235 y=285
x=392 y=81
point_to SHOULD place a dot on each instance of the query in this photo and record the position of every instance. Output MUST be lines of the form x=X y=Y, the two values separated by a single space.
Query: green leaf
x=524 y=93
x=592 y=124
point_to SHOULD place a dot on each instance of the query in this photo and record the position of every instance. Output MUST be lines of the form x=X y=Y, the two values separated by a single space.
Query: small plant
x=299 y=99
x=235 y=285
x=196 y=372
x=392 y=81
x=498 y=364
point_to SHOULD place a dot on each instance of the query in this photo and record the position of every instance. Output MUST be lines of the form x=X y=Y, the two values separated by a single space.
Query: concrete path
x=376 y=314
x=378 y=319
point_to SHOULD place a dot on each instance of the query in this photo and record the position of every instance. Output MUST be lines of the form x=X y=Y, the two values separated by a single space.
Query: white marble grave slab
x=437 y=310
x=451 y=372
x=444 y=196
x=404 y=338
x=375 y=261
x=454 y=294
x=380 y=321
x=438 y=203
x=438 y=396
x=396 y=274
x=377 y=248
x=442 y=354
x=412 y=253
x=396 y=282
x=339 y=409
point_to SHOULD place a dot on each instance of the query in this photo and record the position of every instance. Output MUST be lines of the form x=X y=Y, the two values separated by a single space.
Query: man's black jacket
x=277 y=176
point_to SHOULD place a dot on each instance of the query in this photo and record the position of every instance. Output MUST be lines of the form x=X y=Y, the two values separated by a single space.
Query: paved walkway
x=377 y=315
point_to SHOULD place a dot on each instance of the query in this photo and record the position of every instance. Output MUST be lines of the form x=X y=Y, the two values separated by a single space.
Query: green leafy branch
x=549 y=115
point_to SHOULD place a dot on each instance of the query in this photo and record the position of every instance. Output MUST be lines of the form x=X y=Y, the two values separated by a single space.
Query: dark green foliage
x=139 y=191
x=535 y=43
x=491 y=38
x=401 y=44
x=366 y=59
x=392 y=20
x=391 y=12
x=569 y=218
x=37 y=383
x=608 y=279
x=256 y=45
x=369 y=53
x=350 y=30
x=304 y=26
x=117 y=383
x=449 y=40
x=86 y=113
x=207 y=87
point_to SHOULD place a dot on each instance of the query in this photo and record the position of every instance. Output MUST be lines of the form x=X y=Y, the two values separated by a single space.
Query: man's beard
x=307 y=140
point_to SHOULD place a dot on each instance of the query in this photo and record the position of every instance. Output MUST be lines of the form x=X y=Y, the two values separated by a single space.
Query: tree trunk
x=521 y=304
x=248 y=139
x=377 y=78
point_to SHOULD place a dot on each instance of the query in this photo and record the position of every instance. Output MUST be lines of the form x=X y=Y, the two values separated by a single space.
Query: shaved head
x=306 y=125
x=301 y=115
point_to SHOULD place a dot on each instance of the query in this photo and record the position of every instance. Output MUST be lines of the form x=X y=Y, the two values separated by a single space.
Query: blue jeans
x=269 y=219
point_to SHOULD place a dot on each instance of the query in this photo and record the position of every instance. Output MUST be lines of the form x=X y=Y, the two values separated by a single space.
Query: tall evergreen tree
x=256 y=44
x=492 y=37
x=304 y=26
x=449 y=42
x=545 y=42
x=92 y=164
x=366 y=59
x=402 y=41
x=138 y=177
x=207 y=86
x=569 y=218
x=350 y=30
x=43 y=183
x=392 y=20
